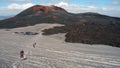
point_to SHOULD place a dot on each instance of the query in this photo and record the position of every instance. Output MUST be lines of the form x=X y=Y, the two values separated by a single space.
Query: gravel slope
x=52 y=51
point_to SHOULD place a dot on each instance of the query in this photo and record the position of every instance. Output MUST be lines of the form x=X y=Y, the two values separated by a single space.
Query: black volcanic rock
x=88 y=33
x=26 y=33
x=94 y=34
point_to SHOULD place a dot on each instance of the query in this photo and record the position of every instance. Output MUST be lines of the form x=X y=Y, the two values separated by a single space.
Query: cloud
x=19 y=7
x=78 y=8
x=74 y=8
x=62 y=4
x=14 y=8
x=115 y=3
x=19 y=0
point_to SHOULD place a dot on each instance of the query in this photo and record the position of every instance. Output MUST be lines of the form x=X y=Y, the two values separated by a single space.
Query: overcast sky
x=107 y=7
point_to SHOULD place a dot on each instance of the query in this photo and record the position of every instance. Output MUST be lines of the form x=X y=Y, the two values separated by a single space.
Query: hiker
x=34 y=44
x=21 y=54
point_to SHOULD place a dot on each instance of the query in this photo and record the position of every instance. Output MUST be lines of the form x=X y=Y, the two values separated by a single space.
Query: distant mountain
x=39 y=14
x=53 y=14
x=88 y=28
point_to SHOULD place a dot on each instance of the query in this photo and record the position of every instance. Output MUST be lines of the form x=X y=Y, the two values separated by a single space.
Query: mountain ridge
x=53 y=14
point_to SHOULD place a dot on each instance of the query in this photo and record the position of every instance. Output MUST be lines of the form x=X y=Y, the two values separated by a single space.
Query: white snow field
x=51 y=51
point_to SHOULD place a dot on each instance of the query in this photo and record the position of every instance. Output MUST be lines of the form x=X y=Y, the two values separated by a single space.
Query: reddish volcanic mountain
x=38 y=9
x=39 y=14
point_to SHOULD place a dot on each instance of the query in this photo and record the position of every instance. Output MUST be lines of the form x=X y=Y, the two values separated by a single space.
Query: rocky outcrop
x=87 y=33
x=94 y=34
x=26 y=33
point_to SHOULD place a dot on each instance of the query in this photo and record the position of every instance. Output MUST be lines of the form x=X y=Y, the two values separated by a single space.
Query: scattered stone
x=26 y=33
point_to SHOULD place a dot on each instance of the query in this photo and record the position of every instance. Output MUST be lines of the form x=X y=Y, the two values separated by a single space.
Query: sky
x=106 y=7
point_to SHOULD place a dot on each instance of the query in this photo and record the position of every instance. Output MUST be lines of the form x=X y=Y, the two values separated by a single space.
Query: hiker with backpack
x=21 y=54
